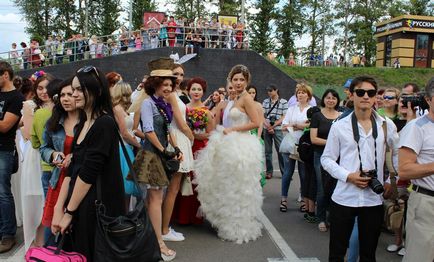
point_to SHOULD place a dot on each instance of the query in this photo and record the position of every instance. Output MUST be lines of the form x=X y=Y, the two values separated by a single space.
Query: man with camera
x=274 y=111
x=11 y=102
x=355 y=156
x=416 y=162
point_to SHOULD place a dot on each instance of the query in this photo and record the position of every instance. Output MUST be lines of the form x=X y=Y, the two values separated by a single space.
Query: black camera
x=374 y=184
x=417 y=100
x=272 y=120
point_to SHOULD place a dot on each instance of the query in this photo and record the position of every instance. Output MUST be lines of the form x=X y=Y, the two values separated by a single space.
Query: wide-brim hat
x=161 y=67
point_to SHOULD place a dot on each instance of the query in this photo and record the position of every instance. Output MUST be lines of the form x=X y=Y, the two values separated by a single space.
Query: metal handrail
x=82 y=49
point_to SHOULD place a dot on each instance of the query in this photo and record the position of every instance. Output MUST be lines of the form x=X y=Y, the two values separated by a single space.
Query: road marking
x=288 y=253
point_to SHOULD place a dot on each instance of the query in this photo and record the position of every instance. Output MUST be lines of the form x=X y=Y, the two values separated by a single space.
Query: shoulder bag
x=129 y=237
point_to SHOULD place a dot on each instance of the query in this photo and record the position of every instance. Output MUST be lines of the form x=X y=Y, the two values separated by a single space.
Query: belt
x=423 y=190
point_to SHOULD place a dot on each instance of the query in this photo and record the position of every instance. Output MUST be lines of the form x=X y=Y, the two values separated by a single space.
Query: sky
x=12 y=26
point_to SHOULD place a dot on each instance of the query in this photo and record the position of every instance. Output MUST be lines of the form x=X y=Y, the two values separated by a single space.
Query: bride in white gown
x=228 y=169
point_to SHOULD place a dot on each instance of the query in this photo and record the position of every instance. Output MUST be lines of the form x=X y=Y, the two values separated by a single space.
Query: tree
x=367 y=13
x=64 y=16
x=261 y=29
x=229 y=7
x=289 y=21
x=344 y=12
x=421 y=7
x=139 y=7
x=191 y=9
x=37 y=14
x=319 y=22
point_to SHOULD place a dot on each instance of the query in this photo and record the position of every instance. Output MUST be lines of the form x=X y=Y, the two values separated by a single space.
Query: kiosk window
x=421 y=51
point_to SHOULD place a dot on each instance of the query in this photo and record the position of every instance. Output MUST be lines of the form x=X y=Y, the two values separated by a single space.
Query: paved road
x=287 y=235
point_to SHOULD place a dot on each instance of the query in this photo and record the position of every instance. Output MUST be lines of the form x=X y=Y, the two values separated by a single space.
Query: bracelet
x=69 y=212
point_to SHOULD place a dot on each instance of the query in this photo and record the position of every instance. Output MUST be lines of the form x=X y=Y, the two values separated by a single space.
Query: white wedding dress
x=228 y=174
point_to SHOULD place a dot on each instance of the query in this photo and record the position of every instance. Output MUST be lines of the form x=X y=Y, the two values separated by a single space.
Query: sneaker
x=7 y=244
x=402 y=252
x=175 y=233
x=173 y=236
x=392 y=248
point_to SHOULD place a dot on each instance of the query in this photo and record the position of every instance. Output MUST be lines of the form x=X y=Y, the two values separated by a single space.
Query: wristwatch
x=69 y=212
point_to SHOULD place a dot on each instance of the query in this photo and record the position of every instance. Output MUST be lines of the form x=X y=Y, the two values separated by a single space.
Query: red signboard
x=153 y=19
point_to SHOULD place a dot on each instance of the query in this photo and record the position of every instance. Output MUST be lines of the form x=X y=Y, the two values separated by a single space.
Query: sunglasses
x=87 y=69
x=389 y=97
x=362 y=92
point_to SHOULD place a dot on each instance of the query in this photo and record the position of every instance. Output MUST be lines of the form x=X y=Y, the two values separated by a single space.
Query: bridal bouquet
x=198 y=119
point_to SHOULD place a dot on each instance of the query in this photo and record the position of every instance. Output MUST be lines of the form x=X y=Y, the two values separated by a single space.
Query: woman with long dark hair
x=96 y=160
x=56 y=148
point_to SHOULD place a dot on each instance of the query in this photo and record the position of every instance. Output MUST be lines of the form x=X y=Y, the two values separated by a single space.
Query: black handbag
x=129 y=237
x=171 y=166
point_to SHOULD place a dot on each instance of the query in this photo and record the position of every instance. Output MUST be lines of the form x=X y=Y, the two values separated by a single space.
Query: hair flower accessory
x=37 y=75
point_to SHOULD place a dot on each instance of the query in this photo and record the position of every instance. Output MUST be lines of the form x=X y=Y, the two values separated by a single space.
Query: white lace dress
x=228 y=174
x=182 y=141
x=32 y=194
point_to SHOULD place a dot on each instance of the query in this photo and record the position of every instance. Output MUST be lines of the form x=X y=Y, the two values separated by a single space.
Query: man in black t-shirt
x=11 y=102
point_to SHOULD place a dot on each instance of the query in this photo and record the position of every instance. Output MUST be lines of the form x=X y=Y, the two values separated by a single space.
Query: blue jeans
x=8 y=222
x=288 y=171
x=46 y=176
x=320 y=199
x=268 y=143
x=353 y=249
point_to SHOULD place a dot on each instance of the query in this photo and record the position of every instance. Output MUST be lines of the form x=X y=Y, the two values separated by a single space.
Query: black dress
x=97 y=155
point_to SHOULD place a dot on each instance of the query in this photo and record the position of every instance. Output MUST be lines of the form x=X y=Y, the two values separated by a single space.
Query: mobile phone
x=59 y=158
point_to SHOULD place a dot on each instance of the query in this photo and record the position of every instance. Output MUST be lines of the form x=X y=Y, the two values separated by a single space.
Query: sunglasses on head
x=87 y=69
x=362 y=92
x=389 y=97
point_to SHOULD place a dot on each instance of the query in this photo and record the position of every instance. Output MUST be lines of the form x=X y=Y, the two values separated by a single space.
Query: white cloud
x=11 y=31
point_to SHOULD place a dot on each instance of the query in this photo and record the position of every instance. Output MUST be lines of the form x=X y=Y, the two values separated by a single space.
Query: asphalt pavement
x=286 y=237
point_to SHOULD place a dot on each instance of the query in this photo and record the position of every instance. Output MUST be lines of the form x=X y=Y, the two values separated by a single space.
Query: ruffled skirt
x=228 y=174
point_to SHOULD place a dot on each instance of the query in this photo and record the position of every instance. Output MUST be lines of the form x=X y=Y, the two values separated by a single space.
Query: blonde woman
x=121 y=99
x=390 y=100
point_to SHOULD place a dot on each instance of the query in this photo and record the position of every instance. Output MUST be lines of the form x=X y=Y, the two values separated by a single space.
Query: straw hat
x=161 y=67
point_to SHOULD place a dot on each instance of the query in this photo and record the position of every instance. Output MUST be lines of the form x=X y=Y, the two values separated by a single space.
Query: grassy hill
x=321 y=78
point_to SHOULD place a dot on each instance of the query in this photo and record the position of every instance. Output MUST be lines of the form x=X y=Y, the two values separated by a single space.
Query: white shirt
x=341 y=144
x=418 y=135
x=293 y=101
x=295 y=116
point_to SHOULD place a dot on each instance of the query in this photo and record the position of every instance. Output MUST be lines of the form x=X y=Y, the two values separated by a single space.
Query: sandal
x=322 y=227
x=303 y=207
x=283 y=205
x=166 y=253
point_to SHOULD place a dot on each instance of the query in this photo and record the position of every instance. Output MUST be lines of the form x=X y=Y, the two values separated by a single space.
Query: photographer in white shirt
x=359 y=172
x=416 y=162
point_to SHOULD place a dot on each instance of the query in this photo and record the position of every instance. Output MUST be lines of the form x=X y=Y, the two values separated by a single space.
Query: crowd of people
x=173 y=33
x=333 y=60
x=196 y=158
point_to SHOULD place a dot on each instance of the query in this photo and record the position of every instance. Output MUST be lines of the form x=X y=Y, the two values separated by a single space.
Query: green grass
x=321 y=78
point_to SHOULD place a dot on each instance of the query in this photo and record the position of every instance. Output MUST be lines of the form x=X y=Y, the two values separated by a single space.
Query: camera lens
x=376 y=186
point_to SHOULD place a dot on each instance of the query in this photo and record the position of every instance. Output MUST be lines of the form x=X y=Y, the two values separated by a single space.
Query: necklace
x=242 y=94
